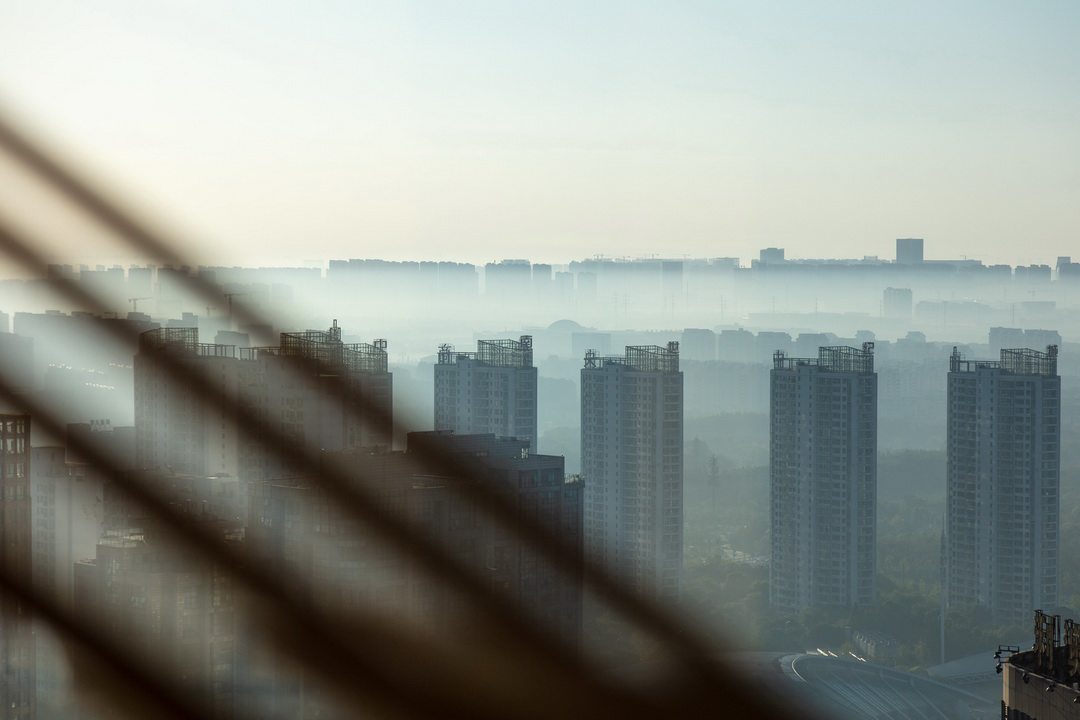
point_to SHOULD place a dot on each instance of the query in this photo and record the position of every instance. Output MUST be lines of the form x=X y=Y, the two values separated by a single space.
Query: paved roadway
x=865 y=690
x=834 y=688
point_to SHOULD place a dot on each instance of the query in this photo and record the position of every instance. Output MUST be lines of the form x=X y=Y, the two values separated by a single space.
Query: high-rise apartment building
x=823 y=479
x=317 y=391
x=909 y=251
x=321 y=393
x=1004 y=473
x=176 y=427
x=632 y=462
x=16 y=636
x=897 y=304
x=168 y=605
x=346 y=566
x=492 y=390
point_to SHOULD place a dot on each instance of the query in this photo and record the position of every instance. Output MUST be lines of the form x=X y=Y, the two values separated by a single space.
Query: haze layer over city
x=586 y=360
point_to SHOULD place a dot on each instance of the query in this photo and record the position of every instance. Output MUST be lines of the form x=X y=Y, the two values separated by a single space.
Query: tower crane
x=229 y=297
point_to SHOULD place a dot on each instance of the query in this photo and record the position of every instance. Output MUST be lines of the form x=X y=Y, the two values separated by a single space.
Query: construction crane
x=135 y=303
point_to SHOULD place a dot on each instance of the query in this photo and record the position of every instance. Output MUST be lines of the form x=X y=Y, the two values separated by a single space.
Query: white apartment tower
x=823 y=479
x=1004 y=474
x=632 y=464
x=492 y=390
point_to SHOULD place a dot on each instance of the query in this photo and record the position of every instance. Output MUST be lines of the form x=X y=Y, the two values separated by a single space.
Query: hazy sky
x=288 y=131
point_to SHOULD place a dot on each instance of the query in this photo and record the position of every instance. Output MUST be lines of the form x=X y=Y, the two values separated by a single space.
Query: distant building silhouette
x=492 y=390
x=1004 y=474
x=897 y=304
x=823 y=479
x=632 y=462
x=909 y=251
x=771 y=255
x=698 y=344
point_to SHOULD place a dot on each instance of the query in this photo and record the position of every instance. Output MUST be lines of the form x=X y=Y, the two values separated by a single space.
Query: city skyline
x=582 y=175
x=273 y=135
x=632 y=405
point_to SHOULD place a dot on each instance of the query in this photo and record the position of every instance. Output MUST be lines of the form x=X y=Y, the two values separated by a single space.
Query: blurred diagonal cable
x=585 y=685
x=268 y=584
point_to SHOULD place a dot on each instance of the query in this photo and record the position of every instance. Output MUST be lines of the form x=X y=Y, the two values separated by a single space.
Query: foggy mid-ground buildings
x=631 y=417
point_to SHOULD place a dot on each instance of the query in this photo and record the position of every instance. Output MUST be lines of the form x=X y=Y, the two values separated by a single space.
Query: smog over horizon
x=475 y=133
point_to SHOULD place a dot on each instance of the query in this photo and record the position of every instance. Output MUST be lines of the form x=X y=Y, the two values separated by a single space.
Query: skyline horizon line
x=86 y=262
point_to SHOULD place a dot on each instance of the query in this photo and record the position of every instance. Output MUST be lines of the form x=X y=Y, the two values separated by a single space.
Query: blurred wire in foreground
x=500 y=662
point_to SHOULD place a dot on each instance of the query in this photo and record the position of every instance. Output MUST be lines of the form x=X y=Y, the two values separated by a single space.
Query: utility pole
x=229 y=297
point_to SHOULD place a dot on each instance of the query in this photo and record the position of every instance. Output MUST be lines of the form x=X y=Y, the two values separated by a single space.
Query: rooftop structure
x=836 y=358
x=640 y=358
x=1043 y=682
x=496 y=353
x=1015 y=361
x=327 y=349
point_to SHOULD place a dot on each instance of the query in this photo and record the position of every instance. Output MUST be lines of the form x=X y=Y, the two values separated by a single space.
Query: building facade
x=177 y=428
x=17 y=694
x=1043 y=682
x=322 y=395
x=169 y=605
x=632 y=462
x=492 y=390
x=316 y=391
x=345 y=566
x=1004 y=475
x=823 y=479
